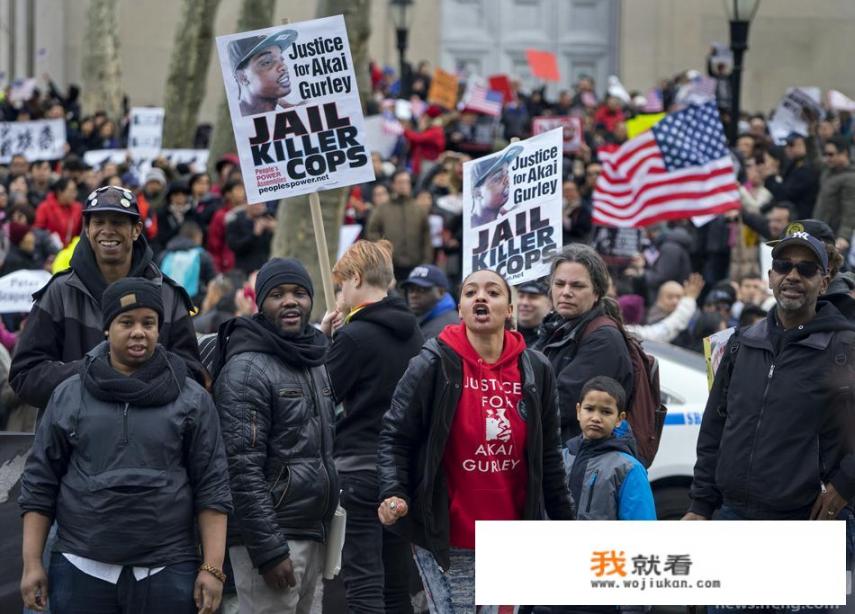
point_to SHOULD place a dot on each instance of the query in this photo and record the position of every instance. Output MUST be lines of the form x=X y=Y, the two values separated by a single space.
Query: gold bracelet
x=217 y=573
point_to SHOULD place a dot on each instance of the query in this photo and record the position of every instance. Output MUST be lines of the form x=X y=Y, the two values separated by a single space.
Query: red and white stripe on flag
x=484 y=100
x=640 y=185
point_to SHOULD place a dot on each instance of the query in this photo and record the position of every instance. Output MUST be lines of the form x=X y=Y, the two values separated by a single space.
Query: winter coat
x=403 y=223
x=64 y=220
x=367 y=357
x=224 y=257
x=798 y=184
x=835 y=204
x=17 y=259
x=125 y=483
x=207 y=270
x=65 y=323
x=774 y=428
x=603 y=352
x=416 y=428
x=251 y=251
x=674 y=262
x=278 y=426
x=425 y=145
x=443 y=314
x=606 y=479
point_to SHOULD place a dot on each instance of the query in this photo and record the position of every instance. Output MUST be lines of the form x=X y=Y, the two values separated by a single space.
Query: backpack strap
x=595 y=324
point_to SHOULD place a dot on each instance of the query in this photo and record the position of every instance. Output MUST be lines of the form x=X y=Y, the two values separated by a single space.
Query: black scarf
x=83 y=263
x=156 y=383
x=258 y=334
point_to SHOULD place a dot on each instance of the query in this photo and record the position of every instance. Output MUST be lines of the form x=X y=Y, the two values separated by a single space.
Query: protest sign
x=543 y=64
x=790 y=114
x=295 y=108
x=512 y=209
x=838 y=101
x=16 y=289
x=42 y=139
x=571 y=126
x=145 y=132
x=501 y=83
x=443 y=89
x=381 y=135
x=196 y=159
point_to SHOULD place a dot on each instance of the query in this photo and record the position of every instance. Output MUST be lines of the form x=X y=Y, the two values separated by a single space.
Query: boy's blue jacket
x=606 y=480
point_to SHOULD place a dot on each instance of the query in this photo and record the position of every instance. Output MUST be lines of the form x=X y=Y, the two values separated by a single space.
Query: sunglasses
x=828 y=154
x=805 y=268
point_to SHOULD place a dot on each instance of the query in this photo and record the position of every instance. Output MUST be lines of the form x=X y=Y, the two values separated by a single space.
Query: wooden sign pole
x=323 y=254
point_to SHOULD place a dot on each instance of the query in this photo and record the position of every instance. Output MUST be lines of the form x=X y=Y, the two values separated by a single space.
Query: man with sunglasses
x=774 y=437
x=836 y=201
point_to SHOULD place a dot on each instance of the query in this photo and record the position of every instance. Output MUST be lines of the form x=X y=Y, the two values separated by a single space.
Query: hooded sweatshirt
x=367 y=357
x=484 y=462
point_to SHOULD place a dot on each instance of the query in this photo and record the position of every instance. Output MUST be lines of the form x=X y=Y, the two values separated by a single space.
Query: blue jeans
x=70 y=591
x=729 y=513
x=452 y=592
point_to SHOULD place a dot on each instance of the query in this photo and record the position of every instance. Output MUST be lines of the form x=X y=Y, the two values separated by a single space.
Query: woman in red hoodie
x=471 y=435
x=60 y=214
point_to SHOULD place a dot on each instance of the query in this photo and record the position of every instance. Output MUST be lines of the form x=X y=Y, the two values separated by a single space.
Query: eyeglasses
x=828 y=154
x=805 y=268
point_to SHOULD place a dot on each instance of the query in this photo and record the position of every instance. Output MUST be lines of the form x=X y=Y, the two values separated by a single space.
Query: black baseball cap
x=426 y=276
x=241 y=50
x=533 y=287
x=112 y=198
x=804 y=239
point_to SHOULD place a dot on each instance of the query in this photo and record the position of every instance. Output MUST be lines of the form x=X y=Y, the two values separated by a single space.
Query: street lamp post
x=740 y=13
x=400 y=10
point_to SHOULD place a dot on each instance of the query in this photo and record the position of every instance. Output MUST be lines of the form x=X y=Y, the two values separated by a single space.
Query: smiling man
x=65 y=322
x=260 y=71
x=277 y=413
x=775 y=442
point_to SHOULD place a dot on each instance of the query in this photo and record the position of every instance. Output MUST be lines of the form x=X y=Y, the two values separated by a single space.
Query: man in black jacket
x=65 y=321
x=799 y=181
x=799 y=465
x=277 y=414
x=249 y=235
x=368 y=356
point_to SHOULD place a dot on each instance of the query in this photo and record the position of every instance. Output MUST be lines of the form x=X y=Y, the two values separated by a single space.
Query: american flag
x=679 y=168
x=483 y=100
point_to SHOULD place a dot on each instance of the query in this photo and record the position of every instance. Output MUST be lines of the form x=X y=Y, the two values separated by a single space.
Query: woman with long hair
x=575 y=338
x=471 y=435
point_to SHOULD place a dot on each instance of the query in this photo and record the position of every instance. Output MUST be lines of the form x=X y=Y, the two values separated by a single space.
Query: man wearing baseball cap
x=532 y=306
x=65 y=321
x=774 y=441
x=260 y=71
x=427 y=293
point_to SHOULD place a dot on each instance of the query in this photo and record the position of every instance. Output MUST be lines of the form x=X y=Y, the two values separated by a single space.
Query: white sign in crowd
x=145 y=133
x=295 y=109
x=16 y=289
x=42 y=139
x=512 y=208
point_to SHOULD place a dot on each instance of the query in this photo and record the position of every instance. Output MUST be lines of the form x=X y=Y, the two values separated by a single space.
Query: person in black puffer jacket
x=128 y=460
x=578 y=283
x=277 y=414
x=368 y=356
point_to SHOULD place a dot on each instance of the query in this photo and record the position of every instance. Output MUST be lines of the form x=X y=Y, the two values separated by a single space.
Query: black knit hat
x=130 y=293
x=280 y=271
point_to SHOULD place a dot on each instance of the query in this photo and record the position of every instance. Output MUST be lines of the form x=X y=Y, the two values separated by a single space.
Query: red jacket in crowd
x=64 y=220
x=224 y=257
x=607 y=118
x=426 y=145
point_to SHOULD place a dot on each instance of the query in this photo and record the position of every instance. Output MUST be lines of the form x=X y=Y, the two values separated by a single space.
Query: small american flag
x=679 y=168
x=483 y=100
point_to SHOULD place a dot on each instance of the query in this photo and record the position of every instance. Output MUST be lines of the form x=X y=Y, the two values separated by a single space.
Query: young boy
x=606 y=480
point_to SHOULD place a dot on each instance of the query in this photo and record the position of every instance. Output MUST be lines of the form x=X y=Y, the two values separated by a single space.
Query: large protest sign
x=16 y=289
x=571 y=126
x=196 y=159
x=42 y=139
x=145 y=132
x=512 y=209
x=295 y=108
x=790 y=114
x=443 y=89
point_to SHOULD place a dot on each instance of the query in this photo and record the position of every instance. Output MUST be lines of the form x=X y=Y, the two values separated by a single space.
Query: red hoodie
x=224 y=257
x=65 y=221
x=484 y=461
x=426 y=145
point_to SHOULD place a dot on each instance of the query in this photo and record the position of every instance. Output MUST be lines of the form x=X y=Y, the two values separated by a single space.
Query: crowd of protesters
x=154 y=262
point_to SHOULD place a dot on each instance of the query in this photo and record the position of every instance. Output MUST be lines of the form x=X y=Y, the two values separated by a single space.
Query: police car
x=683 y=382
